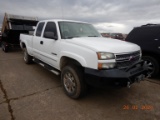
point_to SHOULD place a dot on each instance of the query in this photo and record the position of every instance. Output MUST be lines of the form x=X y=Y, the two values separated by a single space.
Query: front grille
x=128 y=59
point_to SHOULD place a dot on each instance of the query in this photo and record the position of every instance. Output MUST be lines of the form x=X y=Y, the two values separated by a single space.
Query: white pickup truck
x=82 y=56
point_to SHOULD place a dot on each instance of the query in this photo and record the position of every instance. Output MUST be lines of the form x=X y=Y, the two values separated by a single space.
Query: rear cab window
x=39 y=29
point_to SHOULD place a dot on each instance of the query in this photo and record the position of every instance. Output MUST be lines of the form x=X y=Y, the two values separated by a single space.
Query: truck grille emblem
x=130 y=58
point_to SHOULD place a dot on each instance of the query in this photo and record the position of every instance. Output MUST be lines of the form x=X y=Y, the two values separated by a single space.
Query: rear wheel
x=73 y=82
x=27 y=57
x=4 y=47
x=154 y=67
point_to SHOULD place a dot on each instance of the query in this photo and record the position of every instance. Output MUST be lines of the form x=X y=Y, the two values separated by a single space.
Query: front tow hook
x=139 y=78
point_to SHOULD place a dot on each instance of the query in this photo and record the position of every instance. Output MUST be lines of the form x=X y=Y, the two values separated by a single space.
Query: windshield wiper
x=71 y=37
x=68 y=37
x=93 y=36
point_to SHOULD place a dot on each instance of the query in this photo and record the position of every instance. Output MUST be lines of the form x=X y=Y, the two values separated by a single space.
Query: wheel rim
x=69 y=83
x=151 y=67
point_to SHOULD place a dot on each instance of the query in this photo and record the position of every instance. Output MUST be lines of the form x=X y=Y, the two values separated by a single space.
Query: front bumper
x=117 y=77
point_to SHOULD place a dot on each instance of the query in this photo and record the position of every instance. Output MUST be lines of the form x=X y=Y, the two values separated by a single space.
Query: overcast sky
x=105 y=15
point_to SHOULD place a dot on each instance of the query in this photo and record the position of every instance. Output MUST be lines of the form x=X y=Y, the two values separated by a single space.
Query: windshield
x=73 y=29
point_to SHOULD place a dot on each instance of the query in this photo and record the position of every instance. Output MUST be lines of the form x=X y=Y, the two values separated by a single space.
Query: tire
x=73 y=82
x=27 y=57
x=153 y=63
x=4 y=47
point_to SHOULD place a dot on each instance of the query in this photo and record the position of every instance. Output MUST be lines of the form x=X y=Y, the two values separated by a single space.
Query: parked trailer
x=12 y=27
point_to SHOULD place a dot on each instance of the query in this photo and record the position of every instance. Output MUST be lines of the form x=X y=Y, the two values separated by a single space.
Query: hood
x=100 y=44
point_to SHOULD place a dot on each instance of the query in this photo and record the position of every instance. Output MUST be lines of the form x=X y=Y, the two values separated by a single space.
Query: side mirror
x=50 y=35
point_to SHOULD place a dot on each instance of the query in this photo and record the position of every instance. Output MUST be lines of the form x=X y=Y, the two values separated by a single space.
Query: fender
x=29 y=49
x=74 y=56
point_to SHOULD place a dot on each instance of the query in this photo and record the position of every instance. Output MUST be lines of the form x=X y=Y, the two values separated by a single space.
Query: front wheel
x=73 y=82
x=27 y=57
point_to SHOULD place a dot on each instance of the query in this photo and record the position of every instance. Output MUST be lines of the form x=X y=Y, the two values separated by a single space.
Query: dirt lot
x=30 y=92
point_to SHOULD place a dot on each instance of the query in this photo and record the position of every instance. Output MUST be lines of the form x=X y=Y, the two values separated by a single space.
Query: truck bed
x=28 y=39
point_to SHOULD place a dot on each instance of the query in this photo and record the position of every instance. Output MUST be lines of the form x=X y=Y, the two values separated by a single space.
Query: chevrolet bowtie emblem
x=130 y=58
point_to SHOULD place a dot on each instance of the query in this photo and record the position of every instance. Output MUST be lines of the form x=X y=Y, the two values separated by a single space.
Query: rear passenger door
x=37 y=41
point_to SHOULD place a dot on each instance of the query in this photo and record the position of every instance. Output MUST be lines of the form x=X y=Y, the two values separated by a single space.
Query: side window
x=51 y=29
x=39 y=29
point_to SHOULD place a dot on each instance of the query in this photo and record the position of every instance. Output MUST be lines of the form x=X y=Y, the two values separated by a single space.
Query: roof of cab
x=62 y=20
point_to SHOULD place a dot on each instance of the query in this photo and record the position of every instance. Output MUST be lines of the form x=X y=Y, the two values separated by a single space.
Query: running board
x=48 y=67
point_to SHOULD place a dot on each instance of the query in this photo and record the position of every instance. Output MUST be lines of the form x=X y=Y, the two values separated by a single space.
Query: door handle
x=41 y=42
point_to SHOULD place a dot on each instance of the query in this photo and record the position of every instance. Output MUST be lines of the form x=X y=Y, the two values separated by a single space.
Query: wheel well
x=66 y=61
x=23 y=45
x=152 y=54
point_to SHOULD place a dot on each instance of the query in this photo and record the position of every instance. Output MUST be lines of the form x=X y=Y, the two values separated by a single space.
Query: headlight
x=105 y=56
x=106 y=65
